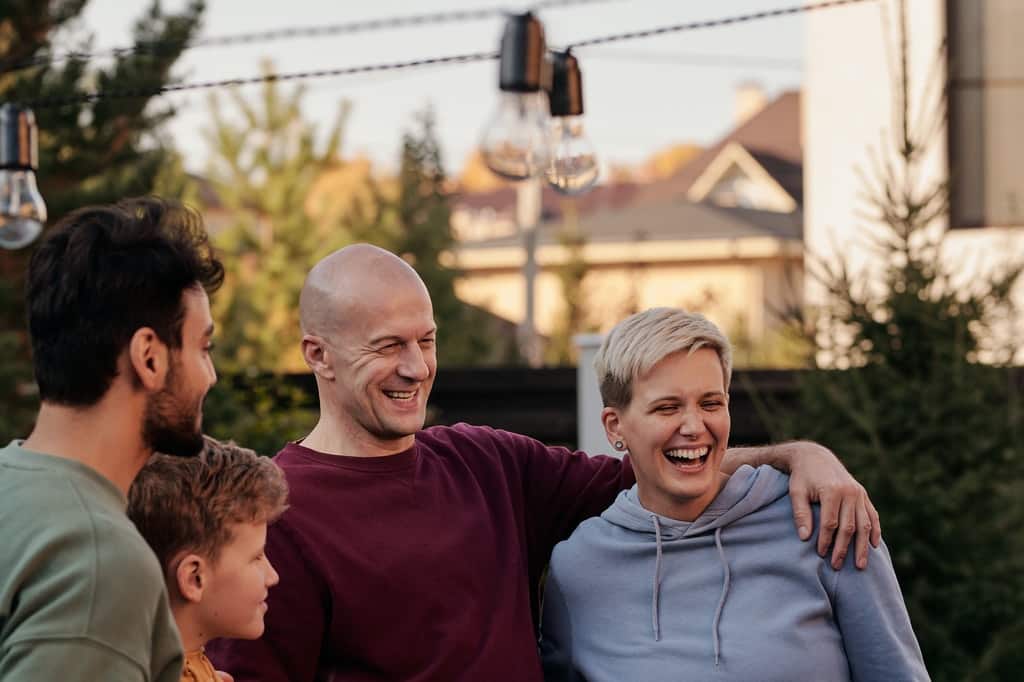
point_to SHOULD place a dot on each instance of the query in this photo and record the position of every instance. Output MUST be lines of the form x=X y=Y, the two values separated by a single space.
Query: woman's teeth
x=687 y=454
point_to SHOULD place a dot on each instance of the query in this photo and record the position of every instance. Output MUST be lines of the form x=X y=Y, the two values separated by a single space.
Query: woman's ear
x=191 y=577
x=613 y=427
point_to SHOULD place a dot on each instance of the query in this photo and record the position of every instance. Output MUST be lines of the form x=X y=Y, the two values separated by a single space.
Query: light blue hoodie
x=734 y=595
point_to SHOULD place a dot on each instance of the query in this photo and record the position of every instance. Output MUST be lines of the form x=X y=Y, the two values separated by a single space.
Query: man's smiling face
x=384 y=363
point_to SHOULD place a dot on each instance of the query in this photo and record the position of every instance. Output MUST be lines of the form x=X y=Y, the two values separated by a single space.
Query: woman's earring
x=619 y=445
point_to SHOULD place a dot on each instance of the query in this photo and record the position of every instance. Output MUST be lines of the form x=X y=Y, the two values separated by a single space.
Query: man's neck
x=106 y=437
x=330 y=438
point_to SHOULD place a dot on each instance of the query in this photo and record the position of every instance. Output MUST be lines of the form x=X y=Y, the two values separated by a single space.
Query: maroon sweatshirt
x=423 y=565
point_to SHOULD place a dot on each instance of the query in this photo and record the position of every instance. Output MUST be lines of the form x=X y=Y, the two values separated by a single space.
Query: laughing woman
x=695 y=575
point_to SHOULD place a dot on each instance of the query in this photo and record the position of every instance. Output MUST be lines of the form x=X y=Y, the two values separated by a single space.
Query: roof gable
x=737 y=178
x=771 y=137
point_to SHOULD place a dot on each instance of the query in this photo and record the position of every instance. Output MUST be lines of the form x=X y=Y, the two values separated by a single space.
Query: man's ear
x=612 y=425
x=191 y=576
x=317 y=356
x=149 y=358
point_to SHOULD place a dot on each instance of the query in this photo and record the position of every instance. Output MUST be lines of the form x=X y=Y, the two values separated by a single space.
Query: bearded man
x=120 y=325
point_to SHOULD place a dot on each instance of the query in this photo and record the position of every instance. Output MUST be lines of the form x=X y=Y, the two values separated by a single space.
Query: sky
x=640 y=95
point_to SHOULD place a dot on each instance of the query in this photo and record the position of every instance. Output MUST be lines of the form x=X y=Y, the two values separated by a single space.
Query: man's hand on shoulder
x=817 y=475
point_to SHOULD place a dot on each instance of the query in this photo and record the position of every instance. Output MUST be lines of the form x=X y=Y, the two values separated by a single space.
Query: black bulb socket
x=522 y=66
x=566 y=94
x=19 y=148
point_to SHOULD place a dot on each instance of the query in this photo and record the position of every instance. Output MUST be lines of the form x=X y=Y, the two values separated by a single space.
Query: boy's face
x=234 y=599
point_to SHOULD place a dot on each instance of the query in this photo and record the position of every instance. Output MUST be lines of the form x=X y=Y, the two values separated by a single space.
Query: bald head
x=370 y=339
x=357 y=276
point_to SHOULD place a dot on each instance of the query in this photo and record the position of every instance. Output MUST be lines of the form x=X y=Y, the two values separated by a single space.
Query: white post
x=528 y=209
x=590 y=435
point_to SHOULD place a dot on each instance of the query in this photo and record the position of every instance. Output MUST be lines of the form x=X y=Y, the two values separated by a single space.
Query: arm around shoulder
x=563 y=488
x=816 y=475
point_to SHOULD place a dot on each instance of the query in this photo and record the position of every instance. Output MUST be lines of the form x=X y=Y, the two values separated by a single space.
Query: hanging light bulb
x=514 y=142
x=572 y=167
x=22 y=209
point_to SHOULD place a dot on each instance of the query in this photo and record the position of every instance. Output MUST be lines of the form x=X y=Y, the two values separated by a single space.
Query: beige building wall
x=729 y=292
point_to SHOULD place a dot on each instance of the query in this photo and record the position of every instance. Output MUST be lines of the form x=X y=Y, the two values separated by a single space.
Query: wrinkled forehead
x=403 y=312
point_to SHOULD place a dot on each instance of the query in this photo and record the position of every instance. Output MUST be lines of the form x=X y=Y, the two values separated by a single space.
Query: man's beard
x=170 y=426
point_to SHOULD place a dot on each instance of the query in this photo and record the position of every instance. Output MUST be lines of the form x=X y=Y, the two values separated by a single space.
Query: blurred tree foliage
x=916 y=397
x=668 y=161
x=89 y=152
x=414 y=221
x=265 y=159
x=575 y=317
x=260 y=412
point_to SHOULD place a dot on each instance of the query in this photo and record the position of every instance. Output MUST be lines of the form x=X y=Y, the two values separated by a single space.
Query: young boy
x=206 y=519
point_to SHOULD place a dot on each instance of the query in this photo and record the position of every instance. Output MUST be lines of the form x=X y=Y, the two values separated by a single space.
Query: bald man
x=416 y=554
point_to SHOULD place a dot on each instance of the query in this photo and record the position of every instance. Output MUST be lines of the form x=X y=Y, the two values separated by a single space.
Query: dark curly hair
x=101 y=274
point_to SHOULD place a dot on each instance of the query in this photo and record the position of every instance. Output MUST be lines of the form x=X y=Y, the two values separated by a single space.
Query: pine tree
x=102 y=151
x=90 y=152
x=416 y=224
x=263 y=169
x=937 y=437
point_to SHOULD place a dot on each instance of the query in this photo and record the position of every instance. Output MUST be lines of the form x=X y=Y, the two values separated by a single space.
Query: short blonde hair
x=639 y=342
x=188 y=504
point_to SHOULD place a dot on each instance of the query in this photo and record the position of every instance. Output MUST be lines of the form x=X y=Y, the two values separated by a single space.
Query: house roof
x=670 y=220
x=771 y=136
x=785 y=172
x=601 y=198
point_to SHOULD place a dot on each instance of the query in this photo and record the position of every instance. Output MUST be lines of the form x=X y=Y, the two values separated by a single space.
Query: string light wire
x=160 y=48
x=431 y=61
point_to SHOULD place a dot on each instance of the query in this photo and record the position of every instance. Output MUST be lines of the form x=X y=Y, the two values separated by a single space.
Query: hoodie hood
x=746 y=491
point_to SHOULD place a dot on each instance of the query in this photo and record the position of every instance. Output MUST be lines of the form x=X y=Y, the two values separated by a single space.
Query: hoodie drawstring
x=655 y=619
x=726 y=577
x=725 y=590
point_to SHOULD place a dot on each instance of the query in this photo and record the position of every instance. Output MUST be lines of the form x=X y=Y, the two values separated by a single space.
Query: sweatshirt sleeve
x=877 y=635
x=556 y=632
x=563 y=488
x=78 y=659
x=295 y=622
x=87 y=602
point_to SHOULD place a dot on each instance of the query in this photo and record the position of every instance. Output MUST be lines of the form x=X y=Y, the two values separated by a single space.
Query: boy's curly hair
x=188 y=504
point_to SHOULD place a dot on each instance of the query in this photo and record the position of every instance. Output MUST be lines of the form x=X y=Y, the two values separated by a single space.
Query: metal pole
x=528 y=208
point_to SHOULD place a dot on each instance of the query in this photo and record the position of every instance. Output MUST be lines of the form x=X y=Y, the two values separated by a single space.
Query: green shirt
x=82 y=596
